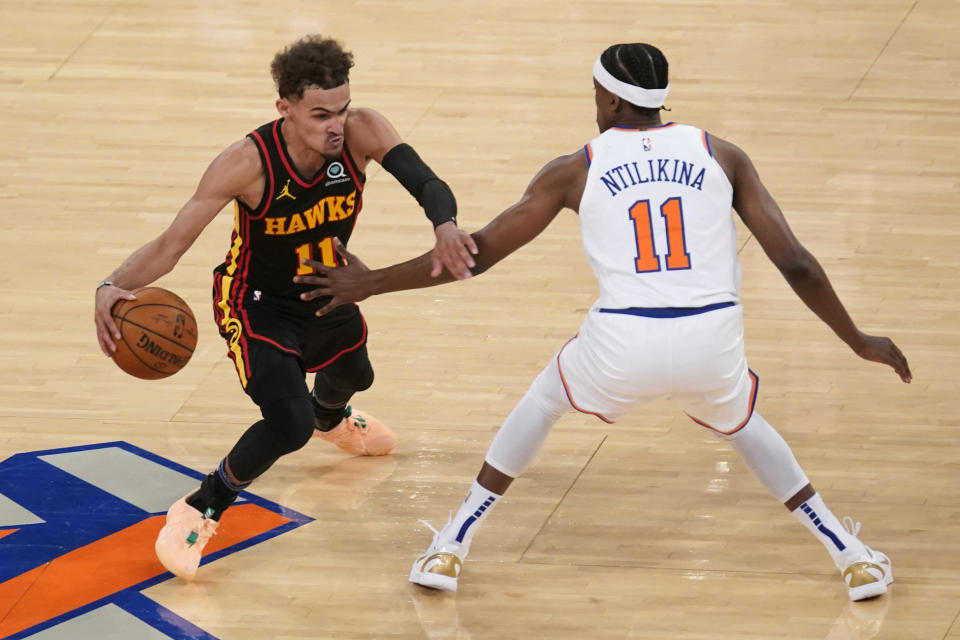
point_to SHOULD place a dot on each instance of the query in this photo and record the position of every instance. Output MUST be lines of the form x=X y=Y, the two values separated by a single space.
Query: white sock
x=473 y=510
x=839 y=543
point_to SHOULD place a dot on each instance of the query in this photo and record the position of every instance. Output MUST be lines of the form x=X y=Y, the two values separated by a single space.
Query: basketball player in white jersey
x=654 y=202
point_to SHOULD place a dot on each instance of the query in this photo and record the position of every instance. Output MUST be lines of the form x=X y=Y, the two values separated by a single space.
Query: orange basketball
x=158 y=333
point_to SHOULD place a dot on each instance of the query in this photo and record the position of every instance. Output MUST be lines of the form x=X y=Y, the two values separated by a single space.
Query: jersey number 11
x=305 y=252
x=647 y=258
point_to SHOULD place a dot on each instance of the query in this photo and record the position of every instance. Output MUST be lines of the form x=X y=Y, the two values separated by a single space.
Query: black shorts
x=334 y=343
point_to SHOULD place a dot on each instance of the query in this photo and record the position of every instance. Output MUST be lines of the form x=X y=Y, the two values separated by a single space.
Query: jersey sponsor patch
x=77 y=527
x=335 y=174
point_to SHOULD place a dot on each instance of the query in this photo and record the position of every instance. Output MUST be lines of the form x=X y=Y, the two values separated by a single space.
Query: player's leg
x=599 y=372
x=336 y=351
x=352 y=430
x=865 y=572
x=714 y=352
x=279 y=390
x=277 y=386
x=513 y=450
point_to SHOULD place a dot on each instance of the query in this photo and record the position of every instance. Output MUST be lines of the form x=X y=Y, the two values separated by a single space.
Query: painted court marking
x=77 y=528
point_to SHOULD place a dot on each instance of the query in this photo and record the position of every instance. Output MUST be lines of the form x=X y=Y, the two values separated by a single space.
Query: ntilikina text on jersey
x=630 y=174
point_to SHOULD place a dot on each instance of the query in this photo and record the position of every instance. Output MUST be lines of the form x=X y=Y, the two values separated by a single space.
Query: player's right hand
x=347 y=283
x=454 y=252
x=884 y=351
x=107 y=331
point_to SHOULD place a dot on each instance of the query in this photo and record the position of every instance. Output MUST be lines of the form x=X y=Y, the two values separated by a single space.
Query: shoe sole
x=364 y=451
x=433 y=581
x=871 y=590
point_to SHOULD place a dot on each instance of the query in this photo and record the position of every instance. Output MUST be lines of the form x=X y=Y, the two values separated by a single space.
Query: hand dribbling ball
x=158 y=333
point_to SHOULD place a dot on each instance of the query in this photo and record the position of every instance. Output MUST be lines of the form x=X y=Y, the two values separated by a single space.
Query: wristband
x=432 y=193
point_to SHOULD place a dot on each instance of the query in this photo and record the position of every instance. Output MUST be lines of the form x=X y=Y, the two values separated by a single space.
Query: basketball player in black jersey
x=298 y=185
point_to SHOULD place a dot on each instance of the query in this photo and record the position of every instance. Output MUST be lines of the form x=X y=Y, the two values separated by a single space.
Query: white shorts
x=617 y=362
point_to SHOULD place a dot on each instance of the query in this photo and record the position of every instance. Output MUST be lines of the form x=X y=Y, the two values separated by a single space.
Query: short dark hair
x=639 y=64
x=311 y=61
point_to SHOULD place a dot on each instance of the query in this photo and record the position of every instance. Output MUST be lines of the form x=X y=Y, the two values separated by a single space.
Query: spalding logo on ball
x=158 y=333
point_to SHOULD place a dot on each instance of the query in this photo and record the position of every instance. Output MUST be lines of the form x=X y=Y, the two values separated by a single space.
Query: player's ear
x=606 y=100
x=283 y=107
x=616 y=103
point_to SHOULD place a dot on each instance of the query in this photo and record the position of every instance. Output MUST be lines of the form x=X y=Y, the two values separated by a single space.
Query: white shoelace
x=436 y=534
x=853 y=528
x=429 y=526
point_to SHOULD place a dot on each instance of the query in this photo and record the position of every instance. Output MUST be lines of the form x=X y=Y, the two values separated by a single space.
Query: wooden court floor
x=650 y=528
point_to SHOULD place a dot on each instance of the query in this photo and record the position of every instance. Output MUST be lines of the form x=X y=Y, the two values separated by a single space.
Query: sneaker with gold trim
x=180 y=543
x=440 y=566
x=361 y=434
x=867 y=574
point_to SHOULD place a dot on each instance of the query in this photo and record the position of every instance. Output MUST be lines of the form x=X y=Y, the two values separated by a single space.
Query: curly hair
x=311 y=61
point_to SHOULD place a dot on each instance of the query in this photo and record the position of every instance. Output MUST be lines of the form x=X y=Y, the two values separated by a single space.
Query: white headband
x=649 y=98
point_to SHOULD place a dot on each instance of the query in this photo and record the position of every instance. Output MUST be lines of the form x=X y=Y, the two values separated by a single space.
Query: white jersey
x=656 y=219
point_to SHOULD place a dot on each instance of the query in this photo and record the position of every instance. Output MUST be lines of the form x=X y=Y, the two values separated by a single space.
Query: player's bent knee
x=291 y=421
x=334 y=389
x=548 y=392
x=363 y=379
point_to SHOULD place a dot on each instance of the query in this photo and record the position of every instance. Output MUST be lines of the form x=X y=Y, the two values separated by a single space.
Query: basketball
x=158 y=333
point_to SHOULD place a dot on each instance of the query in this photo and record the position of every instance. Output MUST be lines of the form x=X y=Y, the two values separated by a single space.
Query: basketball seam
x=156 y=333
x=141 y=360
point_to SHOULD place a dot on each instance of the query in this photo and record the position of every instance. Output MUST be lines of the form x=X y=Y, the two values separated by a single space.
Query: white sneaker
x=868 y=573
x=440 y=566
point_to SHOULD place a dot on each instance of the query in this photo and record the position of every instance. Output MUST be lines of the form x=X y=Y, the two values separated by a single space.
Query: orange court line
x=3 y=534
x=111 y=564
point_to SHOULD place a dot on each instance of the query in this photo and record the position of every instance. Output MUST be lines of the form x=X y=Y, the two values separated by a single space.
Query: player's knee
x=336 y=389
x=548 y=392
x=291 y=420
x=361 y=380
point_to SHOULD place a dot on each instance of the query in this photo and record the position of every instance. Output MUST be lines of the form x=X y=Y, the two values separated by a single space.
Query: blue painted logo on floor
x=76 y=541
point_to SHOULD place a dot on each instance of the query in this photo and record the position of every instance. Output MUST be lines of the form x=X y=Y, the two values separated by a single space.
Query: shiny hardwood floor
x=650 y=528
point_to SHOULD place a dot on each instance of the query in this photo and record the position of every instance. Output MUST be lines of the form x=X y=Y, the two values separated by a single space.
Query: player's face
x=318 y=118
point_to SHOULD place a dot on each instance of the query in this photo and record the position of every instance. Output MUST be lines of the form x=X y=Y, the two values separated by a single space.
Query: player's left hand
x=454 y=251
x=883 y=350
x=346 y=283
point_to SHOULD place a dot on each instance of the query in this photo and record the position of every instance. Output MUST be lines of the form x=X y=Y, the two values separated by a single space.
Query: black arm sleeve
x=431 y=192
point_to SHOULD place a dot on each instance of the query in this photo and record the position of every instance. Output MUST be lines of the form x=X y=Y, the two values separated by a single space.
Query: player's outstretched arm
x=225 y=178
x=559 y=184
x=372 y=136
x=803 y=272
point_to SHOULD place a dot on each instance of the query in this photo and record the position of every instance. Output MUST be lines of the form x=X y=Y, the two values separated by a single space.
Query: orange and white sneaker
x=867 y=574
x=180 y=542
x=361 y=434
x=439 y=567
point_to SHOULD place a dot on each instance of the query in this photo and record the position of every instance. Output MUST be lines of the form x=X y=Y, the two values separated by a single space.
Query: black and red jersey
x=297 y=217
